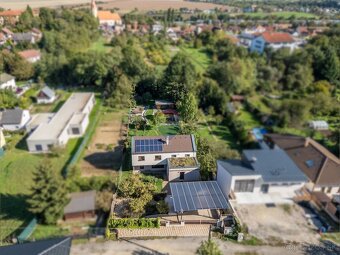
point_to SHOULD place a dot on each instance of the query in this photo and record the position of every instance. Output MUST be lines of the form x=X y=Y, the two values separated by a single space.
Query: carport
x=194 y=196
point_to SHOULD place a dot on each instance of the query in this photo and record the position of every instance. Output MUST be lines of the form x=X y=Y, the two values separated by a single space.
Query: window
x=141 y=158
x=329 y=190
x=38 y=147
x=181 y=176
x=173 y=156
x=187 y=155
x=244 y=186
x=158 y=166
x=158 y=157
x=75 y=131
x=141 y=167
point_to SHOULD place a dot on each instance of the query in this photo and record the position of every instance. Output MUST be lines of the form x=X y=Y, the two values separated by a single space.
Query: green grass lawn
x=42 y=231
x=248 y=119
x=101 y=46
x=16 y=173
x=154 y=131
x=283 y=15
x=199 y=57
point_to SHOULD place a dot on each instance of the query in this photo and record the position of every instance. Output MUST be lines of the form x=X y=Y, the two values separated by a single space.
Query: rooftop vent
x=253 y=159
x=309 y=163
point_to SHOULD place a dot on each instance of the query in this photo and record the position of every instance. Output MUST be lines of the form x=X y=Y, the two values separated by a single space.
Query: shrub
x=133 y=223
x=162 y=207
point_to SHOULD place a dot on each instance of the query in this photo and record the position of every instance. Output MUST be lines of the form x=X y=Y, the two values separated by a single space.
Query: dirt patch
x=105 y=151
x=277 y=223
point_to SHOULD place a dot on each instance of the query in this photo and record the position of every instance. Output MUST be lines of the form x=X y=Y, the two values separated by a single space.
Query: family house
x=8 y=33
x=70 y=121
x=273 y=41
x=31 y=56
x=7 y=81
x=320 y=166
x=14 y=119
x=10 y=17
x=46 y=96
x=172 y=155
x=261 y=171
x=23 y=38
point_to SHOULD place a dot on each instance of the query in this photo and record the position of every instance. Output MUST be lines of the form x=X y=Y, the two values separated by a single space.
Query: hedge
x=133 y=223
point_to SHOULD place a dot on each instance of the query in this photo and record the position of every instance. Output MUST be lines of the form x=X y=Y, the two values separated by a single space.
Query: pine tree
x=49 y=194
x=331 y=67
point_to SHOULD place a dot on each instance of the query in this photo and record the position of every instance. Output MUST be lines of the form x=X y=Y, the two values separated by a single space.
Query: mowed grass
x=16 y=179
x=155 y=130
x=101 y=46
x=283 y=15
x=198 y=57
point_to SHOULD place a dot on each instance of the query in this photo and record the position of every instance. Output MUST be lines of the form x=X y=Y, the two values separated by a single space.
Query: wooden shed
x=81 y=206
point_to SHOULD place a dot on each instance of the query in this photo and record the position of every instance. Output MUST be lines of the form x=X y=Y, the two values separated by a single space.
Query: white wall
x=8 y=85
x=45 y=100
x=223 y=179
x=190 y=174
x=150 y=158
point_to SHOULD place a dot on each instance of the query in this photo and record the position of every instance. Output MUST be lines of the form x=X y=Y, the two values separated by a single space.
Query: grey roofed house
x=81 y=202
x=23 y=37
x=54 y=246
x=47 y=91
x=5 y=77
x=11 y=116
x=274 y=165
x=237 y=167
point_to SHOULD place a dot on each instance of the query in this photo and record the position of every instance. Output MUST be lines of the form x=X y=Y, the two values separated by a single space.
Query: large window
x=158 y=157
x=38 y=147
x=141 y=158
x=75 y=131
x=244 y=186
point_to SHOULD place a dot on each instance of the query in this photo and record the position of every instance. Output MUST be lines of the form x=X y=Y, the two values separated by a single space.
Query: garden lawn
x=154 y=131
x=100 y=46
x=209 y=128
x=198 y=57
x=16 y=173
x=248 y=119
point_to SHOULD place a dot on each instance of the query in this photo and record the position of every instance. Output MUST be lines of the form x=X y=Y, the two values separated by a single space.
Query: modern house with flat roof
x=261 y=171
x=69 y=122
x=173 y=155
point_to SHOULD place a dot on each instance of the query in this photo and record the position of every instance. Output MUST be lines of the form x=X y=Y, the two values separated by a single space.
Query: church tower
x=94 y=8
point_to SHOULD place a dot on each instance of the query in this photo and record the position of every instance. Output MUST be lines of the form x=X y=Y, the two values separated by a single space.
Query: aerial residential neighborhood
x=169 y=127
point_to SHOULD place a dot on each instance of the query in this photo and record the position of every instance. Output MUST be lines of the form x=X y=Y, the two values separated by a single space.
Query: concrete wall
x=190 y=174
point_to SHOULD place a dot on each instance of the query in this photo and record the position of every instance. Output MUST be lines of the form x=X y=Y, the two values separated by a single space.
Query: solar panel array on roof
x=149 y=145
x=192 y=196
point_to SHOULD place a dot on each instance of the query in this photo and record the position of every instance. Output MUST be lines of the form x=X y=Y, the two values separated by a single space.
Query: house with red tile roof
x=273 y=40
x=10 y=17
x=107 y=18
x=31 y=56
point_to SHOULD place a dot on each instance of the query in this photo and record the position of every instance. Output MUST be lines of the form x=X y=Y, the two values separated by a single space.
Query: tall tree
x=179 y=77
x=205 y=157
x=49 y=194
x=188 y=109
x=331 y=66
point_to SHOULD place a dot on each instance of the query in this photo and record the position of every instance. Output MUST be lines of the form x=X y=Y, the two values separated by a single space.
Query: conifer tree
x=49 y=194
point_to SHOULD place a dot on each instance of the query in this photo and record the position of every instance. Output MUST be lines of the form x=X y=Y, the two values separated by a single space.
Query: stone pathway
x=185 y=231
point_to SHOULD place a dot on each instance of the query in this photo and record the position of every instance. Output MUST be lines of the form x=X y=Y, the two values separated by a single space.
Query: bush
x=133 y=223
x=162 y=207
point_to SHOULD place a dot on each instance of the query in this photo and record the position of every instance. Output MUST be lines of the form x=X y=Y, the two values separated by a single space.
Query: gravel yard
x=277 y=223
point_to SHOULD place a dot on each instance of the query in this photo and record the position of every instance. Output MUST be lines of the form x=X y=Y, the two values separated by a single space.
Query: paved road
x=184 y=246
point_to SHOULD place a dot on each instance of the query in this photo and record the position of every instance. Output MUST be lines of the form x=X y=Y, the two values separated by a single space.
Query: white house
x=318 y=125
x=46 y=96
x=14 y=119
x=69 y=122
x=31 y=56
x=7 y=81
x=274 y=41
x=173 y=155
x=261 y=171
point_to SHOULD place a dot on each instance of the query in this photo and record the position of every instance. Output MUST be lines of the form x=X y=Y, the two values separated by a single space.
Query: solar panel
x=148 y=145
x=192 y=196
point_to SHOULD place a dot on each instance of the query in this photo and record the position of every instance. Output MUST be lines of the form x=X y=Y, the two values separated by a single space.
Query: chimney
x=167 y=140
x=253 y=159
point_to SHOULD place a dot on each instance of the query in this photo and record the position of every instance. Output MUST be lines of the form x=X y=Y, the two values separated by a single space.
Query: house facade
x=69 y=122
x=154 y=154
x=107 y=18
x=10 y=17
x=31 y=56
x=14 y=119
x=273 y=41
x=261 y=171
x=7 y=81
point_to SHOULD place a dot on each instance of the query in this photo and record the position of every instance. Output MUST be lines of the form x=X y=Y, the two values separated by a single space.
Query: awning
x=193 y=196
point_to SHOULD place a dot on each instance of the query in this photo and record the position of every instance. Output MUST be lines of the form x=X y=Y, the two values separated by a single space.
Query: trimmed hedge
x=133 y=223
